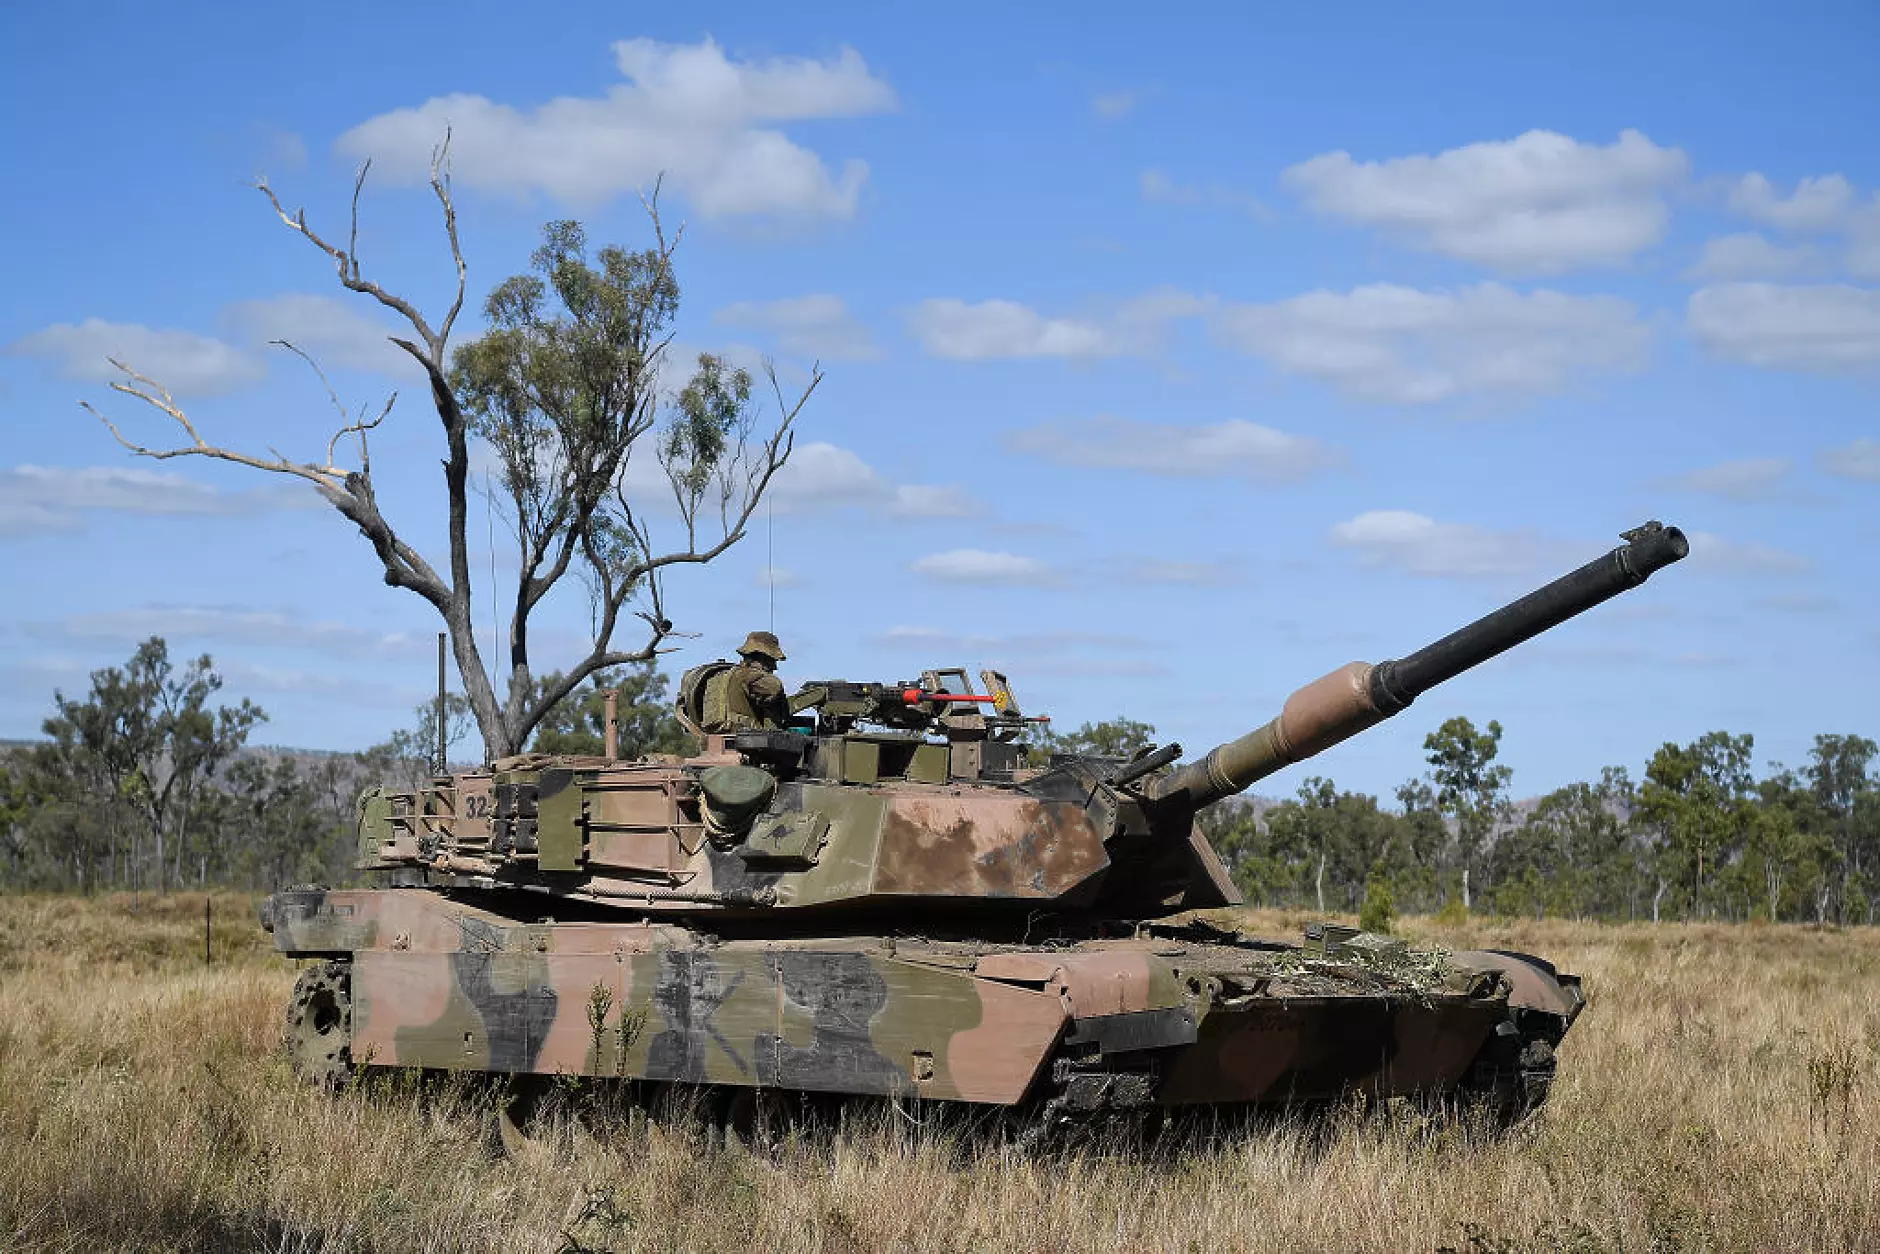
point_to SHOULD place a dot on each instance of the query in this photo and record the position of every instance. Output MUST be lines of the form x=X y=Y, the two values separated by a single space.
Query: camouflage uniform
x=755 y=692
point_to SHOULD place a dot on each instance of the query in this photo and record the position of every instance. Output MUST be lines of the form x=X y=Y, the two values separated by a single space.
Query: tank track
x=1513 y=1075
x=1085 y=1102
x=1083 y=1096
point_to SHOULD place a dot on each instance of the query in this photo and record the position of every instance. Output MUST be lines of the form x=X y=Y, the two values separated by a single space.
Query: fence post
x=205 y=931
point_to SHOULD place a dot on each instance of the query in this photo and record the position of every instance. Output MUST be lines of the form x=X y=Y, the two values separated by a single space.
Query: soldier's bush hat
x=762 y=642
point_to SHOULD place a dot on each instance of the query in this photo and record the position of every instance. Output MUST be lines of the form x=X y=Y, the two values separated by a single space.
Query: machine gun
x=940 y=700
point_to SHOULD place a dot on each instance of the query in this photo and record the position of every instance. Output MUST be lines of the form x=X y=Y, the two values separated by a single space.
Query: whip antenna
x=496 y=609
x=443 y=745
x=770 y=559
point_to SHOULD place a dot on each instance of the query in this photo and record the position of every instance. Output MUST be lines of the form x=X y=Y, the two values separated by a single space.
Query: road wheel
x=319 y=1024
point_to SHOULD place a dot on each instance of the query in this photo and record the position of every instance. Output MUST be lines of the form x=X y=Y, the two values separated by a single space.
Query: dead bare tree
x=562 y=387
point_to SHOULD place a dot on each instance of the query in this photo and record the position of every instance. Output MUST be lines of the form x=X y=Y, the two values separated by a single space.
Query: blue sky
x=1169 y=364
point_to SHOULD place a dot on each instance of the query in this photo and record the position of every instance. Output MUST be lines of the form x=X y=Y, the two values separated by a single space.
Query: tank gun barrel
x=1361 y=695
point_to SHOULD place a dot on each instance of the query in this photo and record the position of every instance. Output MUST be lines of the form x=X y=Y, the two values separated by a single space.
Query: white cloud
x=1114 y=105
x=1749 y=479
x=778 y=577
x=186 y=363
x=25 y=518
x=232 y=625
x=1148 y=312
x=1714 y=553
x=1419 y=545
x=993 y=329
x=687 y=110
x=70 y=673
x=1536 y=204
x=821 y=474
x=1859 y=460
x=1003 y=328
x=1404 y=346
x=332 y=331
x=1234 y=448
x=1826 y=328
x=1158 y=188
x=326 y=684
x=927 y=500
x=1827 y=204
x=126 y=488
x=1029 y=643
x=1816 y=204
x=814 y=326
x=912 y=637
x=1085 y=669
x=53 y=498
x=1029 y=655
x=978 y=566
x=1750 y=256
x=825 y=476
x=1862 y=257
x=674 y=367
x=1163 y=570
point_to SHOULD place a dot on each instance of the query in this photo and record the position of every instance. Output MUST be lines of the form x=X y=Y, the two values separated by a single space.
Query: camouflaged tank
x=887 y=898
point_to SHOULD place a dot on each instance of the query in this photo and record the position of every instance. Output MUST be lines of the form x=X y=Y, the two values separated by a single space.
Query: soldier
x=722 y=696
x=755 y=679
x=745 y=695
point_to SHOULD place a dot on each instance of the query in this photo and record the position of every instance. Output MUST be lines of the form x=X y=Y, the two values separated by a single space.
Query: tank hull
x=1169 y=1017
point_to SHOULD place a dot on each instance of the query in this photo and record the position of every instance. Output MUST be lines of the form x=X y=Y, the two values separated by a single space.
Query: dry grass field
x=1722 y=1092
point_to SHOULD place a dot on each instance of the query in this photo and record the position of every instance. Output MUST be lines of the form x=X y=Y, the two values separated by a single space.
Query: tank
x=886 y=896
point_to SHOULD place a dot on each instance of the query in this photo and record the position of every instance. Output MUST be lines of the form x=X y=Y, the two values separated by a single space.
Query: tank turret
x=874 y=888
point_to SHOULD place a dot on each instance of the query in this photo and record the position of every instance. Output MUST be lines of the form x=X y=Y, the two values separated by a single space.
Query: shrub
x=1378 y=912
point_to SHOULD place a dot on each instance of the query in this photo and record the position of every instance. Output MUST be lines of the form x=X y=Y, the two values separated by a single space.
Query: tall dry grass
x=1721 y=1092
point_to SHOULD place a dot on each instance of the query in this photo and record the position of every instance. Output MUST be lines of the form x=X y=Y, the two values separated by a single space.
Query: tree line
x=146 y=783
x=1697 y=835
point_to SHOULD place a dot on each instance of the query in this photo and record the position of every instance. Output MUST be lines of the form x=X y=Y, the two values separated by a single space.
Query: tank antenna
x=770 y=558
x=496 y=611
x=442 y=746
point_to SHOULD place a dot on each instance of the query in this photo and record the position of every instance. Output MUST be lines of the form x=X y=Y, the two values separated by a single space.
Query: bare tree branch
x=352 y=240
x=154 y=394
x=348 y=268
x=351 y=427
x=440 y=185
x=350 y=492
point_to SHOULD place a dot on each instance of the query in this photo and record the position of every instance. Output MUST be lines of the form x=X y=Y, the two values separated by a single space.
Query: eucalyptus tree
x=1573 y=852
x=1110 y=738
x=145 y=740
x=644 y=719
x=1697 y=797
x=1847 y=796
x=571 y=378
x=1471 y=788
